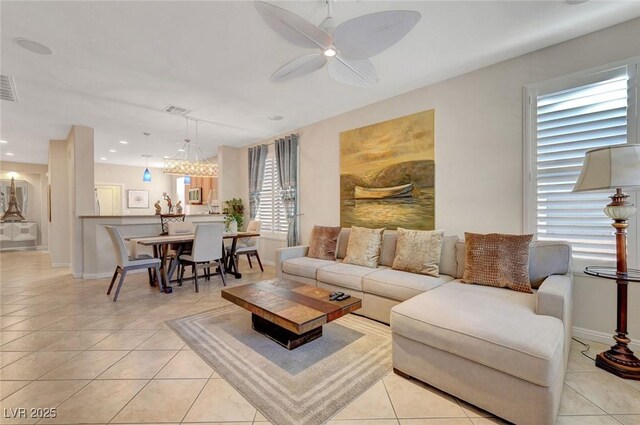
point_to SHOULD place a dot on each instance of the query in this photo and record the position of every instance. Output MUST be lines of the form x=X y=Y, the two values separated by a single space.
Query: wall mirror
x=21 y=195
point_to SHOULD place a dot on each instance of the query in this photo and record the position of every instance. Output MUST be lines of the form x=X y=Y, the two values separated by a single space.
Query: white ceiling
x=117 y=64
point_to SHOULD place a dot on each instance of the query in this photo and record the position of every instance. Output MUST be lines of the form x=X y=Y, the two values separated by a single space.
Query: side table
x=619 y=360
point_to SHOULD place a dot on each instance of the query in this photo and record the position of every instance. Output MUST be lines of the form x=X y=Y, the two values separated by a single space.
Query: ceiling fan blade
x=355 y=72
x=368 y=35
x=300 y=66
x=292 y=27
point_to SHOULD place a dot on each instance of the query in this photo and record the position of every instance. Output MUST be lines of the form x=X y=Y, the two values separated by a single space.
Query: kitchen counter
x=98 y=255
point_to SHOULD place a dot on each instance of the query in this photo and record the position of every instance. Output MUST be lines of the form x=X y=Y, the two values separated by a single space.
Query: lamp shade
x=610 y=168
x=146 y=176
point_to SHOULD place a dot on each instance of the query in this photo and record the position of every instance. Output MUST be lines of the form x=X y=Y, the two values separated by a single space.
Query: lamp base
x=620 y=361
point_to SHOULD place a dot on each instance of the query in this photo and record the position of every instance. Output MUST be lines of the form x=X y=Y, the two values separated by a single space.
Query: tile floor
x=65 y=344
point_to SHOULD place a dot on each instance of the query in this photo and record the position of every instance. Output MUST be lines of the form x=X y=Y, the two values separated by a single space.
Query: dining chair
x=249 y=246
x=206 y=251
x=125 y=262
x=165 y=219
x=178 y=228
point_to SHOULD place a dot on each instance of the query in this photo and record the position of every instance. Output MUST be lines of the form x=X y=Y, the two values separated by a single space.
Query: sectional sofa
x=501 y=350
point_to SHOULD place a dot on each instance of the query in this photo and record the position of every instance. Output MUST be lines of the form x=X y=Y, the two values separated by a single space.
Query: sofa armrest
x=555 y=297
x=288 y=253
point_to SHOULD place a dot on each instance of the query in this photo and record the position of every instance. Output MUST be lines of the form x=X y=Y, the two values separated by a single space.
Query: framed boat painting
x=387 y=174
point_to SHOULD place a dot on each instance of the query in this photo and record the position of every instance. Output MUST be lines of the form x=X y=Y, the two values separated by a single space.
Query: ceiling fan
x=346 y=49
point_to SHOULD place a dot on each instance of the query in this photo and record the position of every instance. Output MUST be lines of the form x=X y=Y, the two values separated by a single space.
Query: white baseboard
x=602 y=337
x=18 y=248
x=60 y=264
x=44 y=248
x=269 y=263
x=96 y=275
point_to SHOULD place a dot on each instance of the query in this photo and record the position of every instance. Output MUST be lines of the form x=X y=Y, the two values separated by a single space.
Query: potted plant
x=235 y=213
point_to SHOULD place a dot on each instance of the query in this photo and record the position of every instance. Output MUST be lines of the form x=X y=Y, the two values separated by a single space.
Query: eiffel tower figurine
x=13 y=212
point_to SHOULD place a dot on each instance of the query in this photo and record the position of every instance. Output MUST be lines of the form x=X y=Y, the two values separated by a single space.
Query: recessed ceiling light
x=276 y=117
x=180 y=150
x=103 y=158
x=4 y=142
x=33 y=46
x=166 y=157
x=123 y=142
x=9 y=154
x=574 y=2
x=112 y=150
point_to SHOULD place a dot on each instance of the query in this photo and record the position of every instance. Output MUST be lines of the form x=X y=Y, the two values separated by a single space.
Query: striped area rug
x=307 y=385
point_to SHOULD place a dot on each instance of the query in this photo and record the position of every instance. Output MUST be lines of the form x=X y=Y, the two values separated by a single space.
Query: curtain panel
x=257 y=159
x=287 y=159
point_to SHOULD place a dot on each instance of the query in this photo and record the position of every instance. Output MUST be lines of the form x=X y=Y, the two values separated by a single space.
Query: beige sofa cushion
x=399 y=285
x=487 y=325
x=305 y=266
x=387 y=251
x=418 y=251
x=448 y=261
x=364 y=246
x=548 y=258
x=344 y=275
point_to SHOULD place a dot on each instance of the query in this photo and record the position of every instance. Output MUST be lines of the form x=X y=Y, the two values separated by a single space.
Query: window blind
x=271 y=212
x=569 y=123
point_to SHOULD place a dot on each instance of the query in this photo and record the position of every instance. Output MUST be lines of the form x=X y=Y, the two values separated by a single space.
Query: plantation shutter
x=271 y=212
x=569 y=123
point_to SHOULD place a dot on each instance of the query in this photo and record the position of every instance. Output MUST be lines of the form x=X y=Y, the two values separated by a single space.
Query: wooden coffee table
x=288 y=312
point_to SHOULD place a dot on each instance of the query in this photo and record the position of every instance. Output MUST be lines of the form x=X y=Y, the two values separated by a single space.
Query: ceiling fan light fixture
x=348 y=46
x=330 y=52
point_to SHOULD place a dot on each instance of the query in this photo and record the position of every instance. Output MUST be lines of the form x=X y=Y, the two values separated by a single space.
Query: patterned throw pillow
x=498 y=260
x=364 y=246
x=418 y=251
x=323 y=242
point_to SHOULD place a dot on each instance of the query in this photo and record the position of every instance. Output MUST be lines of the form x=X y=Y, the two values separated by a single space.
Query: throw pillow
x=498 y=260
x=418 y=251
x=323 y=242
x=364 y=246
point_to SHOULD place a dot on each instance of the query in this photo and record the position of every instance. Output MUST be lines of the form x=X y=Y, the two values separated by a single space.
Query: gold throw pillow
x=418 y=251
x=363 y=248
x=498 y=260
x=323 y=242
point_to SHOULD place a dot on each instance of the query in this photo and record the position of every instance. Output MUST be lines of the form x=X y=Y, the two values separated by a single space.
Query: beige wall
x=130 y=178
x=232 y=178
x=59 y=227
x=479 y=151
x=36 y=177
x=80 y=142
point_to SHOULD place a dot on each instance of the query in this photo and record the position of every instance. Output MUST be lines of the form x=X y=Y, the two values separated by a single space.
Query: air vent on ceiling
x=8 y=88
x=177 y=110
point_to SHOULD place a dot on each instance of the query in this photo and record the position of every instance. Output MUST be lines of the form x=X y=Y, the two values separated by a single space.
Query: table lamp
x=616 y=167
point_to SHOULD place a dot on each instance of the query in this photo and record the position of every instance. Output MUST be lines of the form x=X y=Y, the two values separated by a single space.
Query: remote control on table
x=334 y=296
x=343 y=297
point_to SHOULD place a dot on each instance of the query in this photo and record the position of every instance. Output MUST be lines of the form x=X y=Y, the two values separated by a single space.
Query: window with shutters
x=566 y=118
x=271 y=212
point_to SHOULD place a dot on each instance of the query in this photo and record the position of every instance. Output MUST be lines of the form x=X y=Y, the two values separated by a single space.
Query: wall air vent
x=8 y=88
x=177 y=110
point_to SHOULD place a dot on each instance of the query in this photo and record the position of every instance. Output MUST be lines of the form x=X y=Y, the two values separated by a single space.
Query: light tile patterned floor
x=65 y=344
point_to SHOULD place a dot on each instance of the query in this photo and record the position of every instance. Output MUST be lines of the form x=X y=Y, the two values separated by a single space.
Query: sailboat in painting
x=402 y=191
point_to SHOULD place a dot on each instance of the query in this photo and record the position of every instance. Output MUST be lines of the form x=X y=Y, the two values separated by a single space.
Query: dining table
x=161 y=243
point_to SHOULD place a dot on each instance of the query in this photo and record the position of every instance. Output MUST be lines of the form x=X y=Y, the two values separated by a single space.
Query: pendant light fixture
x=190 y=161
x=146 y=176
